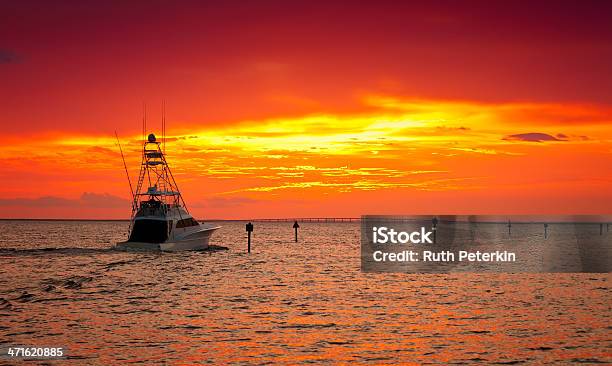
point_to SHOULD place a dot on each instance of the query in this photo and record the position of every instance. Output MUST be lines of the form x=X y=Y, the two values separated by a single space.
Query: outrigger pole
x=126 y=169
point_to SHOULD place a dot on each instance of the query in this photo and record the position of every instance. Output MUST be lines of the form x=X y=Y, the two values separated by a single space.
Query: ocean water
x=284 y=303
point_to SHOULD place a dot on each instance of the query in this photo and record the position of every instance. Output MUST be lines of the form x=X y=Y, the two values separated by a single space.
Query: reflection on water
x=285 y=302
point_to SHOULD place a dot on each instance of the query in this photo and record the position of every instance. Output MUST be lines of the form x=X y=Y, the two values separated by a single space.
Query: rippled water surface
x=287 y=303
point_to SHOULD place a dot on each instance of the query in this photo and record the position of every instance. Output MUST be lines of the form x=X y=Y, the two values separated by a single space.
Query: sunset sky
x=309 y=109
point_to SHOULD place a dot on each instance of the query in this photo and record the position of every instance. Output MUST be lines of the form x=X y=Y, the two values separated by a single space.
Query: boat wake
x=4 y=252
x=10 y=252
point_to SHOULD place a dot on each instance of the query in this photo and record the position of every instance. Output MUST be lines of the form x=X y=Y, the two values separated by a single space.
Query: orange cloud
x=411 y=148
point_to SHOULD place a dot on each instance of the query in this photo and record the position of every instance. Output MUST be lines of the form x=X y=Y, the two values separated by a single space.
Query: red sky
x=310 y=109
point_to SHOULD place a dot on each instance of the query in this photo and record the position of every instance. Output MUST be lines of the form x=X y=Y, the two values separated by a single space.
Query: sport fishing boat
x=160 y=220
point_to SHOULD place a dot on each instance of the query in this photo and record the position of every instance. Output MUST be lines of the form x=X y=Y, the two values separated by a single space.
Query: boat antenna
x=164 y=126
x=144 y=122
x=126 y=169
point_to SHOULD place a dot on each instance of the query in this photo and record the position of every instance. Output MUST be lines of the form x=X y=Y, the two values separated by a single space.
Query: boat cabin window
x=151 y=208
x=149 y=231
x=186 y=223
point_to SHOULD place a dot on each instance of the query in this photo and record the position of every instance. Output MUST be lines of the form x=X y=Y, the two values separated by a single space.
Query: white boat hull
x=190 y=240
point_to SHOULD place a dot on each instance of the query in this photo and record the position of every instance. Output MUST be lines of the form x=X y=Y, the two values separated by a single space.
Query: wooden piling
x=434 y=227
x=249 y=229
x=296 y=226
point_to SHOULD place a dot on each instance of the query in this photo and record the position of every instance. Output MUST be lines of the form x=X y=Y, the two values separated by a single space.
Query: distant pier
x=311 y=219
x=509 y=224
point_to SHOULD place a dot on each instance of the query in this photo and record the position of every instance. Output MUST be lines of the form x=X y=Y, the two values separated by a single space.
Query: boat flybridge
x=160 y=220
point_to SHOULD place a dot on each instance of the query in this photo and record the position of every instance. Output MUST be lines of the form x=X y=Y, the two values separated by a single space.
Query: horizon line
x=607 y=219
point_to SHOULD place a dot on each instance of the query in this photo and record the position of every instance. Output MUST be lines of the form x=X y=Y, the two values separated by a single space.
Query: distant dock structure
x=311 y=219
